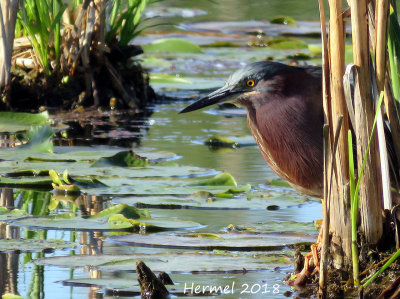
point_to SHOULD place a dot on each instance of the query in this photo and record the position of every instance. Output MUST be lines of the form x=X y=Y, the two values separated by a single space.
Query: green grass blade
x=383 y=268
x=353 y=213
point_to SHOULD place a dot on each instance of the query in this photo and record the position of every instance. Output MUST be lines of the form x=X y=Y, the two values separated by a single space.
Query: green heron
x=285 y=116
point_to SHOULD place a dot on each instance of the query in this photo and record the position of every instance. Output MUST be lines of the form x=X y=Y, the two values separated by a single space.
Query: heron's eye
x=250 y=83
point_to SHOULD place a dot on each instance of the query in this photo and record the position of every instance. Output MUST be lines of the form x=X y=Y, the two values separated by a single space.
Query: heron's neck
x=289 y=134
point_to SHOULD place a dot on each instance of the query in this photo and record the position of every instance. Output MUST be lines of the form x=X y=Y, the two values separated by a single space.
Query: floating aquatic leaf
x=283 y=20
x=124 y=159
x=119 y=217
x=207 y=200
x=170 y=79
x=278 y=183
x=220 y=141
x=221 y=179
x=117 y=283
x=5 y=214
x=26 y=182
x=29 y=245
x=299 y=56
x=152 y=224
x=167 y=262
x=315 y=49
x=172 y=45
x=123 y=209
x=286 y=43
x=239 y=241
x=277 y=226
x=75 y=223
x=19 y=121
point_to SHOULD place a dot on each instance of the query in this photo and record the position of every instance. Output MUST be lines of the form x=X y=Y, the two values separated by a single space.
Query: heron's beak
x=223 y=94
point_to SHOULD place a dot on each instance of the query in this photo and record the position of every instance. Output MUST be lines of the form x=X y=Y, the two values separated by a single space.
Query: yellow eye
x=250 y=83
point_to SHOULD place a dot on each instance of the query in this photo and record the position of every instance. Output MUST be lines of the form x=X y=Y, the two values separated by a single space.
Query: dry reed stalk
x=325 y=208
x=370 y=207
x=8 y=17
x=379 y=47
x=381 y=26
x=339 y=200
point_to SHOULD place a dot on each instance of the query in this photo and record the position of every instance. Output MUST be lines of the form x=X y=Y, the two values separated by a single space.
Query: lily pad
x=112 y=219
x=228 y=241
x=6 y=215
x=283 y=20
x=115 y=283
x=278 y=226
x=130 y=186
x=17 y=169
x=123 y=159
x=126 y=284
x=170 y=262
x=287 y=43
x=172 y=45
x=230 y=141
x=87 y=153
x=170 y=79
x=206 y=200
x=20 y=121
x=30 y=245
x=74 y=224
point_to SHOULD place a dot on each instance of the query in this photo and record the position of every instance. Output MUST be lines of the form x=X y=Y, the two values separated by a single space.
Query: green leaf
x=222 y=179
x=122 y=209
x=11 y=296
x=286 y=43
x=19 y=121
x=220 y=141
x=173 y=45
x=165 y=78
x=283 y=20
x=123 y=159
x=55 y=178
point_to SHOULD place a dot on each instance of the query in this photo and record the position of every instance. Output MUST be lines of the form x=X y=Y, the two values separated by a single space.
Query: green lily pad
x=126 y=283
x=131 y=186
x=106 y=222
x=229 y=141
x=299 y=56
x=283 y=20
x=115 y=283
x=278 y=226
x=87 y=153
x=169 y=79
x=221 y=179
x=287 y=43
x=206 y=200
x=6 y=215
x=29 y=245
x=26 y=182
x=19 y=121
x=169 y=262
x=228 y=241
x=123 y=159
x=74 y=224
x=172 y=45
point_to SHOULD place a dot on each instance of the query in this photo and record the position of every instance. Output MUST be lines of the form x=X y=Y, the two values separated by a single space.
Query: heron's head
x=258 y=81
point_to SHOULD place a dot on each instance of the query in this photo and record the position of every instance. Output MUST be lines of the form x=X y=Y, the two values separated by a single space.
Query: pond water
x=269 y=207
